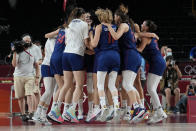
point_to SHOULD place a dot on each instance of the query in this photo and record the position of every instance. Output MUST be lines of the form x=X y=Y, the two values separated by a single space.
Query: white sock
x=102 y=102
x=128 y=108
x=135 y=105
x=96 y=106
x=74 y=104
x=59 y=104
x=90 y=105
x=39 y=109
x=53 y=105
x=66 y=106
x=44 y=111
x=80 y=105
x=111 y=107
x=124 y=104
x=115 y=101
x=142 y=101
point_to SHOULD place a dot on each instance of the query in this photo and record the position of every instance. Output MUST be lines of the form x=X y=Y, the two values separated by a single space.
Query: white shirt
x=25 y=63
x=75 y=34
x=37 y=51
x=49 y=48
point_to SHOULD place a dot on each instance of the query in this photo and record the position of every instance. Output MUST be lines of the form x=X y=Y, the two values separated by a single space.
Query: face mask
x=169 y=53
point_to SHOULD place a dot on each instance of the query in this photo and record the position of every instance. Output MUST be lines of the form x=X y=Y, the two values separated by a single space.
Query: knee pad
x=89 y=83
x=101 y=80
x=112 y=81
x=128 y=80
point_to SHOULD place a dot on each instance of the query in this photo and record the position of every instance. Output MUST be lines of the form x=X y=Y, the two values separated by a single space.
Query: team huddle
x=110 y=56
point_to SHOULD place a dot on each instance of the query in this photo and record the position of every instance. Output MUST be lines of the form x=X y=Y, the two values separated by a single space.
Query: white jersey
x=37 y=51
x=75 y=34
x=49 y=48
x=25 y=62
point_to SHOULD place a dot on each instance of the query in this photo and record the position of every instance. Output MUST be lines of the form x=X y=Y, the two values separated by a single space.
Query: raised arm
x=95 y=39
x=52 y=34
x=149 y=35
x=116 y=35
x=142 y=45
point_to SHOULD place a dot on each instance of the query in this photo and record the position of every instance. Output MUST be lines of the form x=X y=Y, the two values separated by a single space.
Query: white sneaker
x=45 y=121
x=80 y=115
x=116 y=115
x=157 y=116
x=94 y=115
x=110 y=114
x=36 y=116
x=122 y=113
x=65 y=117
x=104 y=113
x=89 y=115
x=127 y=116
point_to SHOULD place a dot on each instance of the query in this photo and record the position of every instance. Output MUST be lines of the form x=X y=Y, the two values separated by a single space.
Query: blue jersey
x=106 y=42
x=151 y=49
x=127 y=40
x=152 y=54
x=60 y=42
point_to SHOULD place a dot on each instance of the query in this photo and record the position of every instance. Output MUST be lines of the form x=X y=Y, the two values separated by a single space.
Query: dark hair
x=122 y=12
x=94 y=18
x=152 y=27
x=76 y=13
x=169 y=58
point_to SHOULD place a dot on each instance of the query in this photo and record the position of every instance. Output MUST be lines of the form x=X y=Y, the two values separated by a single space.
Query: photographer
x=181 y=106
x=38 y=56
x=170 y=78
x=24 y=61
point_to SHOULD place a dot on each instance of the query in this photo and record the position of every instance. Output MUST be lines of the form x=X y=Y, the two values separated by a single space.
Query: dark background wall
x=38 y=17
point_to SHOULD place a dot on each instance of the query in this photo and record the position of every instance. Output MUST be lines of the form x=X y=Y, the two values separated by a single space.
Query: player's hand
x=156 y=36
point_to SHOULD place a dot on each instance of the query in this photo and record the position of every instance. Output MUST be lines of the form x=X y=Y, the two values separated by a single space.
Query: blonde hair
x=104 y=15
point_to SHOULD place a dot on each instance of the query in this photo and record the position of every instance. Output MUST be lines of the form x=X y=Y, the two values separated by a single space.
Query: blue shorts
x=157 y=65
x=95 y=63
x=45 y=71
x=89 y=62
x=72 y=62
x=56 y=64
x=131 y=60
x=108 y=61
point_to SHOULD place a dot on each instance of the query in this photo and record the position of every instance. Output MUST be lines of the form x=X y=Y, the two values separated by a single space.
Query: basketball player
x=150 y=51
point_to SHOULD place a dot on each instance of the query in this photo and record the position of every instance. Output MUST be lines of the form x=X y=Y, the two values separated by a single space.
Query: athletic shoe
x=30 y=116
x=89 y=115
x=66 y=117
x=94 y=115
x=110 y=114
x=137 y=115
x=127 y=116
x=72 y=114
x=36 y=116
x=55 y=115
x=122 y=112
x=104 y=113
x=116 y=115
x=80 y=115
x=24 y=118
x=158 y=116
x=45 y=121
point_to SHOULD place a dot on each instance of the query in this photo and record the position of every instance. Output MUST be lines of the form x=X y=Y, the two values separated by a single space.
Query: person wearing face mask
x=170 y=78
x=181 y=106
x=38 y=55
